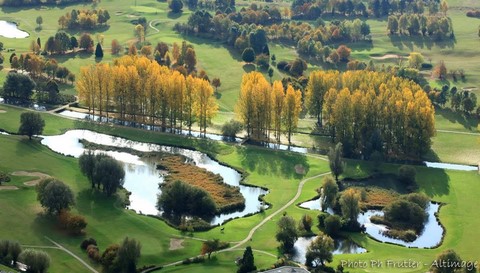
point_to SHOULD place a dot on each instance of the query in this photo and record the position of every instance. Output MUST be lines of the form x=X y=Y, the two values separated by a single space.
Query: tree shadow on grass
x=402 y=41
x=248 y=68
x=434 y=182
x=269 y=162
x=469 y=123
x=98 y=205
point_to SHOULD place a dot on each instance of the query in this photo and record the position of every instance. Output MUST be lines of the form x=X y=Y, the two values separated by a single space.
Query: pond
x=10 y=30
x=274 y=146
x=449 y=166
x=431 y=235
x=342 y=246
x=141 y=175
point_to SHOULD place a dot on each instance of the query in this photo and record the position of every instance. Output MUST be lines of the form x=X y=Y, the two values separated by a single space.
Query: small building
x=287 y=269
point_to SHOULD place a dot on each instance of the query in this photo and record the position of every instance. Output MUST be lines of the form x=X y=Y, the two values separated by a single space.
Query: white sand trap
x=8 y=188
x=176 y=244
x=33 y=182
x=299 y=169
x=388 y=56
x=2 y=111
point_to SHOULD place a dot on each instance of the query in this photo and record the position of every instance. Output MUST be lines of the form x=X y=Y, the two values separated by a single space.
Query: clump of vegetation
x=232 y=128
x=320 y=251
x=226 y=197
x=36 y=260
x=182 y=199
x=84 y=19
x=405 y=217
x=287 y=233
x=95 y=166
x=9 y=252
x=121 y=258
x=4 y=177
x=406 y=175
x=247 y=263
x=54 y=195
x=72 y=223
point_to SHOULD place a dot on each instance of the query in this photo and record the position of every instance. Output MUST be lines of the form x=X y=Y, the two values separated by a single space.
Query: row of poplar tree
x=356 y=108
x=140 y=90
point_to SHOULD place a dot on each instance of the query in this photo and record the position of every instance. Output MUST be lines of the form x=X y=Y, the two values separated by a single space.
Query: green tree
x=216 y=83
x=306 y=223
x=329 y=192
x=109 y=259
x=320 y=251
x=349 y=203
x=287 y=233
x=270 y=74
x=447 y=256
x=335 y=159
x=31 y=123
x=86 y=42
x=9 y=251
x=407 y=174
x=128 y=254
x=54 y=195
x=176 y=6
x=39 y=21
x=415 y=59
x=179 y=198
x=18 y=85
x=109 y=173
x=247 y=263
x=332 y=225
x=210 y=246
x=248 y=55
x=87 y=165
x=99 y=51
x=36 y=261
x=298 y=67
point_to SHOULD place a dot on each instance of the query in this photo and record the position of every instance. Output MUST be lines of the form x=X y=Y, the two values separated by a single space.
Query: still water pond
x=141 y=175
x=10 y=30
x=342 y=246
x=430 y=237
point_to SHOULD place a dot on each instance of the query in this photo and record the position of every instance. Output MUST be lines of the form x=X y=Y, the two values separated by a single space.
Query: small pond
x=10 y=30
x=141 y=175
x=431 y=235
x=449 y=166
x=342 y=246
x=274 y=146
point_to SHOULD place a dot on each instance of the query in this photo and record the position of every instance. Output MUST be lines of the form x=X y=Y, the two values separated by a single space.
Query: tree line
x=29 y=3
x=439 y=27
x=356 y=105
x=84 y=19
x=241 y=35
x=138 y=89
x=268 y=109
x=312 y=10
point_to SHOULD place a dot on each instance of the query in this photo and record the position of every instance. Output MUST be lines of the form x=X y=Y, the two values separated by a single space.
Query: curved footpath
x=255 y=228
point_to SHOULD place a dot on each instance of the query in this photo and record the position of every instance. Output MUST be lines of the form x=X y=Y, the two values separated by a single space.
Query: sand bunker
x=176 y=244
x=34 y=182
x=388 y=56
x=299 y=169
x=2 y=111
x=8 y=188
